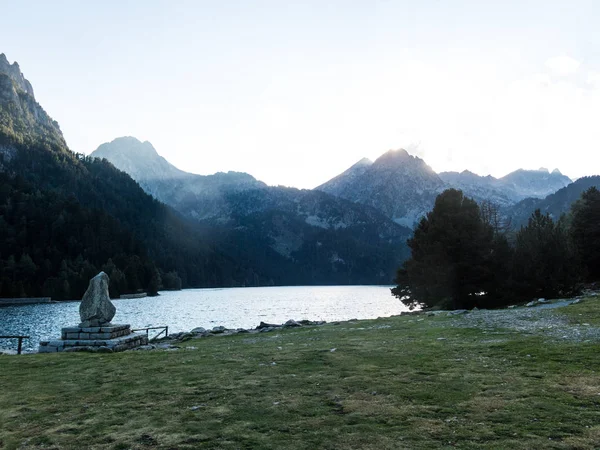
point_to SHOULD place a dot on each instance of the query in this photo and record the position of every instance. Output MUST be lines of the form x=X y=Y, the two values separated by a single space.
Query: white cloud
x=563 y=65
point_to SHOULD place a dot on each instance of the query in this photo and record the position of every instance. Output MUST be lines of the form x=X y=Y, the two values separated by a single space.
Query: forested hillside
x=64 y=217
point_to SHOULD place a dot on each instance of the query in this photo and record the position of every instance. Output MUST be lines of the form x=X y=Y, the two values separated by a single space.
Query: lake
x=191 y=308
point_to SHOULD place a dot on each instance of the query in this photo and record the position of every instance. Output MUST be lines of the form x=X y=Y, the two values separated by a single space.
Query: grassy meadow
x=414 y=382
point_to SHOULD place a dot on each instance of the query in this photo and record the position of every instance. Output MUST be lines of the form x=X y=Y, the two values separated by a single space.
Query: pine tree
x=585 y=231
x=452 y=257
x=544 y=261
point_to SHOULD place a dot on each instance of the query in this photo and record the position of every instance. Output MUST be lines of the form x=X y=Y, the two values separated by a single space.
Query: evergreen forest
x=464 y=255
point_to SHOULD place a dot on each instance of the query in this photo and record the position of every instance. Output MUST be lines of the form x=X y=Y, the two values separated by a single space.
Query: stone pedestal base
x=115 y=338
x=94 y=333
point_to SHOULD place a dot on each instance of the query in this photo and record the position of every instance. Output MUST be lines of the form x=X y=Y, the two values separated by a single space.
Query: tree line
x=465 y=255
x=65 y=216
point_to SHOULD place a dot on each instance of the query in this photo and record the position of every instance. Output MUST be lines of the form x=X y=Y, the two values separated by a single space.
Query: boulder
x=266 y=325
x=96 y=309
x=185 y=337
x=291 y=323
x=175 y=335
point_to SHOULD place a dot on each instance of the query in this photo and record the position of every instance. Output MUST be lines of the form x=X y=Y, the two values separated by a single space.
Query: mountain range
x=128 y=211
x=399 y=185
x=304 y=229
x=554 y=204
x=404 y=187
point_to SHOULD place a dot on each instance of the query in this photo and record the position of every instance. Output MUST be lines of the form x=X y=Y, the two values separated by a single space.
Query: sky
x=295 y=92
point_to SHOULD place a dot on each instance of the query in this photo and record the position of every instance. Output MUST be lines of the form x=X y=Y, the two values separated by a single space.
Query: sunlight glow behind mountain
x=294 y=94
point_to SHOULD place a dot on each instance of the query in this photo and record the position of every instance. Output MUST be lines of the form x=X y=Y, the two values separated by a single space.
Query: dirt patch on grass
x=581 y=386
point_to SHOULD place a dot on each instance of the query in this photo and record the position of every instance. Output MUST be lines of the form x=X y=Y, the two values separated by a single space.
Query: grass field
x=403 y=382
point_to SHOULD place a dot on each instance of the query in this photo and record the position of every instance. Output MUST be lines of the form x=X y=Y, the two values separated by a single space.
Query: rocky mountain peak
x=159 y=178
x=393 y=158
x=401 y=162
x=14 y=73
x=139 y=159
x=133 y=147
x=365 y=162
x=400 y=185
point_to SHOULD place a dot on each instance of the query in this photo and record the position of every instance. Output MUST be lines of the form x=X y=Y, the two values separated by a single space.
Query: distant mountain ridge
x=404 y=187
x=401 y=186
x=166 y=182
x=511 y=188
x=319 y=238
x=554 y=204
x=535 y=183
x=479 y=187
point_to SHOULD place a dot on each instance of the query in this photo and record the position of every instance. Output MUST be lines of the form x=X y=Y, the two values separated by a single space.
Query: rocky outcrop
x=14 y=72
x=8 y=90
x=24 y=120
x=96 y=309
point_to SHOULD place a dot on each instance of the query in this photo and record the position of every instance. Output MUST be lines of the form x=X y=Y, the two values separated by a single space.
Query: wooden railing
x=20 y=343
x=164 y=329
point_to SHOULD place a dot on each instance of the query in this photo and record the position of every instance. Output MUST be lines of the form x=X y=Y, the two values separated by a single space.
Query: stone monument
x=96 y=332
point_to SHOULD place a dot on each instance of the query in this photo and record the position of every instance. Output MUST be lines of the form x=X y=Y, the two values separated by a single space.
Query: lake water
x=188 y=309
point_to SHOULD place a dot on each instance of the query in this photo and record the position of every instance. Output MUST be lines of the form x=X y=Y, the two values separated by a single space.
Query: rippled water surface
x=232 y=308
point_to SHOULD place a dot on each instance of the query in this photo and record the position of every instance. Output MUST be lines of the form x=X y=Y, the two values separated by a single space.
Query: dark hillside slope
x=555 y=204
x=65 y=216
x=315 y=237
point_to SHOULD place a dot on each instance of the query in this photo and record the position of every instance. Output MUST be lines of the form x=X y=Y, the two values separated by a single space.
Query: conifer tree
x=585 y=231
x=452 y=257
x=544 y=261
